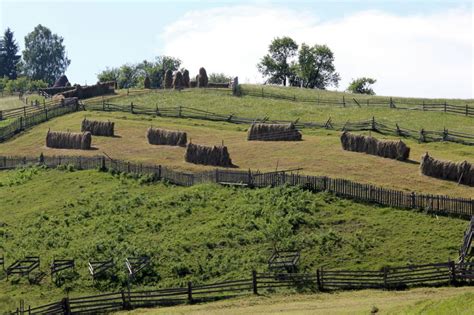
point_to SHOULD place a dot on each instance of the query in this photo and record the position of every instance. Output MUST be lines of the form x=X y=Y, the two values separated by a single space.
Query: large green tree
x=44 y=55
x=276 y=65
x=8 y=55
x=362 y=86
x=316 y=67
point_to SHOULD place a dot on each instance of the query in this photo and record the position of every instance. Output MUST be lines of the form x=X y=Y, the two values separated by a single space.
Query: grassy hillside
x=320 y=153
x=221 y=101
x=203 y=233
x=454 y=301
x=9 y=102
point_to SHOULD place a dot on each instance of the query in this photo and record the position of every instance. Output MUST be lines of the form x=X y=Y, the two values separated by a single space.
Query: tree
x=44 y=55
x=109 y=74
x=316 y=67
x=128 y=76
x=219 y=78
x=8 y=55
x=276 y=65
x=362 y=86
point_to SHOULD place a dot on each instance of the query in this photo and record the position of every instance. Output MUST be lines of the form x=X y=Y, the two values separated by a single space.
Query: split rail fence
x=395 y=103
x=460 y=207
x=438 y=274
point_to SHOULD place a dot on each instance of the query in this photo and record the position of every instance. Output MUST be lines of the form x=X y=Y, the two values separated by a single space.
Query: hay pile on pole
x=273 y=132
x=168 y=80
x=68 y=140
x=147 y=83
x=178 y=81
x=202 y=79
x=462 y=172
x=186 y=79
x=200 y=154
x=98 y=128
x=166 y=137
x=397 y=150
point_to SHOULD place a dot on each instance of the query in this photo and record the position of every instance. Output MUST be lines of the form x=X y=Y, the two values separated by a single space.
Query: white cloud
x=418 y=55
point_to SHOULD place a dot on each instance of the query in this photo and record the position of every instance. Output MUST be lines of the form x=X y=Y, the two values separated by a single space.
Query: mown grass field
x=202 y=234
x=320 y=153
x=221 y=101
x=10 y=102
x=452 y=301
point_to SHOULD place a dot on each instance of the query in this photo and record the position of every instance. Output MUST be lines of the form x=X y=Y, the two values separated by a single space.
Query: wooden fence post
x=103 y=104
x=254 y=282
x=343 y=101
x=249 y=178
x=385 y=272
x=445 y=104
x=467 y=111
x=217 y=175
x=422 y=135
x=131 y=107
x=318 y=280
x=46 y=113
x=373 y=124
x=423 y=108
x=102 y=164
x=413 y=200
x=190 y=292
x=159 y=172
x=452 y=272
x=1 y=113
x=66 y=306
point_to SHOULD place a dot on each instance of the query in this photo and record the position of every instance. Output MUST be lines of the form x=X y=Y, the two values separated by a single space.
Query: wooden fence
x=437 y=274
x=394 y=103
x=382 y=127
x=460 y=207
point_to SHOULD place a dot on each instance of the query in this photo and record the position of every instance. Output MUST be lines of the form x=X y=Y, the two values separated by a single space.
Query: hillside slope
x=202 y=234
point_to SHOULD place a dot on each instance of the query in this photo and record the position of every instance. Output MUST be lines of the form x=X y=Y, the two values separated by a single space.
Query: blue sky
x=98 y=34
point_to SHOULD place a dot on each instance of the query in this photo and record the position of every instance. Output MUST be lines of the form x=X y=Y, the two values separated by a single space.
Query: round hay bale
x=202 y=79
x=58 y=97
x=273 y=132
x=68 y=140
x=186 y=79
x=98 y=128
x=462 y=172
x=397 y=150
x=159 y=136
x=168 y=79
x=178 y=81
x=205 y=155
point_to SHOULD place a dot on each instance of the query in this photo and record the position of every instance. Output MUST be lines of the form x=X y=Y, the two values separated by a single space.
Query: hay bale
x=62 y=81
x=68 y=140
x=147 y=83
x=186 y=79
x=273 y=132
x=168 y=79
x=166 y=137
x=178 y=81
x=200 y=154
x=397 y=150
x=98 y=128
x=461 y=172
x=202 y=79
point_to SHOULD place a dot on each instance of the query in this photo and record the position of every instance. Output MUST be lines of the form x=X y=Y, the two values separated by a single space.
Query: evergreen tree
x=8 y=55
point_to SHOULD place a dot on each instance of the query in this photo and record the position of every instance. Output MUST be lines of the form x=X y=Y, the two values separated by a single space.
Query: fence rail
x=439 y=204
x=323 y=280
x=394 y=103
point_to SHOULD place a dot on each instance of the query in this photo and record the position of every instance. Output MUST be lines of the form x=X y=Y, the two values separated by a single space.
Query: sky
x=412 y=48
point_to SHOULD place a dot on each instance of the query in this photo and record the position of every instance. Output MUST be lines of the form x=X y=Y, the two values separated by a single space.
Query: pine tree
x=8 y=55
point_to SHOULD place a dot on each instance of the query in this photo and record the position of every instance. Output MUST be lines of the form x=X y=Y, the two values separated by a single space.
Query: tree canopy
x=8 y=55
x=44 y=55
x=314 y=67
x=362 y=86
x=276 y=65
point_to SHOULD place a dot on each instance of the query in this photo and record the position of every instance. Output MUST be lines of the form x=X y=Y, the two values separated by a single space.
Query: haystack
x=462 y=172
x=62 y=81
x=147 y=82
x=168 y=79
x=166 y=137
x=98 y=128
x=178 y=81
x=68 y=140
x=202 y=79
x=186 y=79
x=397 y=150
x=199 y=154
x=273 y=132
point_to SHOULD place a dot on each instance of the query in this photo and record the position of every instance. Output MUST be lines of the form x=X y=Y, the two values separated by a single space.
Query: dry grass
x=320 y=152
